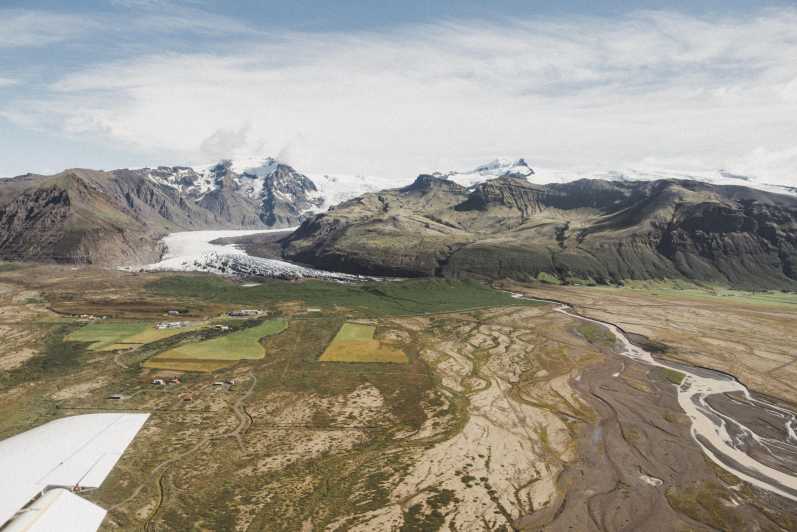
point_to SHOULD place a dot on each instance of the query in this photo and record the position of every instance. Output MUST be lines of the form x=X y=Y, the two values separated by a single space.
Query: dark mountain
x=117 y=217
x=583 y=231
x=94 y=217
x=270 y=193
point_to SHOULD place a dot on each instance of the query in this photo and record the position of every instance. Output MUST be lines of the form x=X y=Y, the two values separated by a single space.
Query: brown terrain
x=505 y=417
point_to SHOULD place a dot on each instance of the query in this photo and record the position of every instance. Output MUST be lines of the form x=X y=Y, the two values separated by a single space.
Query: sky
x=393 y=89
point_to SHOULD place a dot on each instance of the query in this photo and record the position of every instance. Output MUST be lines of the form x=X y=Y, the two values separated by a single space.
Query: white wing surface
x=72 y=452
x=58 y=510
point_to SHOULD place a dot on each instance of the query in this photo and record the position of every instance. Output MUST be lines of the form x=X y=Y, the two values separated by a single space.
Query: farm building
x=172 y=324
x=244 y=313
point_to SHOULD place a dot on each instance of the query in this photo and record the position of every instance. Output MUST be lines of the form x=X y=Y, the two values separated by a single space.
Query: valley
x=473 y=351
x=398 y=266
x=504 y=414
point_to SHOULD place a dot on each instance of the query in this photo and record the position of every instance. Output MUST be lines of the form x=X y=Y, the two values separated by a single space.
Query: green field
x=110 y=336
x=106 y=333
x=386 y=298
x=241 y=345
x=151 y=334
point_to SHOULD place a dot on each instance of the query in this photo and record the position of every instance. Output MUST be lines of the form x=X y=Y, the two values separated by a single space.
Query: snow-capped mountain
x=493 y=169
x=118 y=216
x=273 y=192
x=541 y=176
x=273 y=186
x=714 y=177
x=262 y=191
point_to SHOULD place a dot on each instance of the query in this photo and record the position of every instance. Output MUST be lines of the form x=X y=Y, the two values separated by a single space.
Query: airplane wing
x=58 y=510
x=40 y=468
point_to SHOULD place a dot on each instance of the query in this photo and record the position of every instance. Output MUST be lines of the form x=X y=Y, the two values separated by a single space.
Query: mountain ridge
x=589 y=231
x=493 y=221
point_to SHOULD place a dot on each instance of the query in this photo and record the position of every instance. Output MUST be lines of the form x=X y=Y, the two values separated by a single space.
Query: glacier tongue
x=246 y=266
x=194 y=251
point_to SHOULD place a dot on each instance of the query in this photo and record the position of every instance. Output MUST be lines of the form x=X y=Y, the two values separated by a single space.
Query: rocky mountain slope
x=582 y=231
x=270 y=193
x=90 y=216
x=117 y=217
x=493 y=221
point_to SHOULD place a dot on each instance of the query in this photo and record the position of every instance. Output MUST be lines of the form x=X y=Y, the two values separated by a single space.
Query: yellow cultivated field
x=355 y=343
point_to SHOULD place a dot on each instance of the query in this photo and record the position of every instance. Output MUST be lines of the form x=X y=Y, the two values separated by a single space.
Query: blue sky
x=396 y=88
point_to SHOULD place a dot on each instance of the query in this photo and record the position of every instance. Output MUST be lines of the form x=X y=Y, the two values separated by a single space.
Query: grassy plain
x=387 y=298
x=110 y=336
x=691 y=291
x=106 y=333
x=151 y=334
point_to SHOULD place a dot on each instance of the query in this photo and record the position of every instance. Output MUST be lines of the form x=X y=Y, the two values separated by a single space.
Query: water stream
x=754 y=439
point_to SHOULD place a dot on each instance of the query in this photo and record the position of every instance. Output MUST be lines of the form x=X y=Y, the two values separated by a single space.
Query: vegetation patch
x=547 y=278
x=111 y=336
x=707 y=503
x=240 y=345
x=387 y=298
x=688 y=290
x=597 y=335
x=103 y=334
x=152 y=334
x=675 y=377
x=9 y=266
x=355 y=342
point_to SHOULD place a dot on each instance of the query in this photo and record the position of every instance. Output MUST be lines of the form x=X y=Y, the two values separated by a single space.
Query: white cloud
x=8 y=82
x=28 y=28
x=148 y=19
x=224 y=143
x=564 y=92
x=778 y=166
